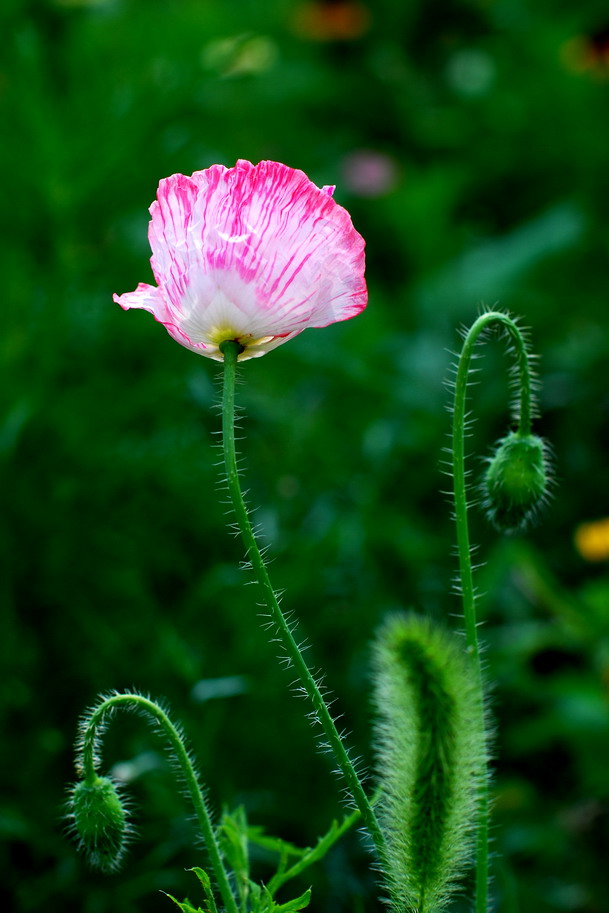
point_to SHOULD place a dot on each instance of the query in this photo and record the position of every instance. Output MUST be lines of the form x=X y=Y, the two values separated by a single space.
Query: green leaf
x=233 y=838
x=205 y=881
x=185 y=907
x=232 y=835
x=257 y=904
x=299 y=903
x=235 y=835
x=256 y=835
x=311 y=855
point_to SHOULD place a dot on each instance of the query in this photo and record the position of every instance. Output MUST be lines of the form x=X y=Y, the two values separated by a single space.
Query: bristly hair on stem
x=431 y=761
x=283 y=629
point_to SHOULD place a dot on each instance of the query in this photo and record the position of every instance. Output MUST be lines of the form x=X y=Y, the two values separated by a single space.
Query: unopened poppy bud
x=516 y=481
x=100 y=822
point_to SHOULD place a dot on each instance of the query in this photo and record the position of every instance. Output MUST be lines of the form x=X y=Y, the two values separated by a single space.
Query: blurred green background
x=470 y=142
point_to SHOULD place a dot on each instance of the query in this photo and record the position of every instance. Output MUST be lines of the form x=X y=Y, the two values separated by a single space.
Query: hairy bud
x=516 y=481
x=100 y=822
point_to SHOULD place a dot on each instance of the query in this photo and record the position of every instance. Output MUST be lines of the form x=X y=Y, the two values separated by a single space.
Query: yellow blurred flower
x=592 y=540
x=240 y=55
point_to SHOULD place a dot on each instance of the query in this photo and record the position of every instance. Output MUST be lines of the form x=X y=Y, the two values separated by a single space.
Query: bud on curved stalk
x=516 y=481
x=100 y=822
x=431 y=759
x=97 y=810
x=516 y=485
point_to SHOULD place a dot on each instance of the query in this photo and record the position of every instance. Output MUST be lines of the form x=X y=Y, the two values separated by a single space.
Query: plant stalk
x=468 y=593
x=231 y=350
x=180 y=754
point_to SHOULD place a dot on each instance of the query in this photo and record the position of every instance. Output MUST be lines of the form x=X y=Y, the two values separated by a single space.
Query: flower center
x=226 y=332
x=223 y=333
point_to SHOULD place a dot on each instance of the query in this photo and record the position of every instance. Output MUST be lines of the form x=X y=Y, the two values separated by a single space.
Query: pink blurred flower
x=255 y=253
x=369 y=173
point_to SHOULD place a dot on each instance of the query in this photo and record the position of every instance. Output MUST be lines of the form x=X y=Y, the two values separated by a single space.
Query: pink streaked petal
x=255 y=251
x=148 y=297
x=278 y=231
x=171 y=234
x=176 y=332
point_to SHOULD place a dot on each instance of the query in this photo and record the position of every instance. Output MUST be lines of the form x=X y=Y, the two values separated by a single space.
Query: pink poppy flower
x=254 y=253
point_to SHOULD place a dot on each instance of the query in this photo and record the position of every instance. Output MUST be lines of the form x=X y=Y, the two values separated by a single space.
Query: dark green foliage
x=431 y=749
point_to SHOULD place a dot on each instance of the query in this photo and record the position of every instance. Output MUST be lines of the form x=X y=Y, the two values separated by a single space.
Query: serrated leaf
x=232 y=835
x=185 y=907
x=255 y=898
x=203 y=878
x=205 y=881
x=324 y=843
x=256 y=835
x=299 y=903
x=233 y=838
x=311 y=854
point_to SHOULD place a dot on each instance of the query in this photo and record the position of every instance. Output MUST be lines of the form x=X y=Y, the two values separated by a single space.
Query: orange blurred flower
x=587 y=53
x=331 y=20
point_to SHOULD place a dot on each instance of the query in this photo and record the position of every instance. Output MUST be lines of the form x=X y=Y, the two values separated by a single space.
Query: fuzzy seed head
x=431 y=751
x=516 y=481
x=100 y=822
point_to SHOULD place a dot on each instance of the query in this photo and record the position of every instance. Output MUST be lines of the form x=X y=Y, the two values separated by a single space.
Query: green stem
x=231 y=350
x=179 y=753
x=468 y=593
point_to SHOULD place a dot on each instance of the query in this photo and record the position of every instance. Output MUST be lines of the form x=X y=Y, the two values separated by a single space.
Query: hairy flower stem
x=231 y=350
x=179 y=754
x=468 y=593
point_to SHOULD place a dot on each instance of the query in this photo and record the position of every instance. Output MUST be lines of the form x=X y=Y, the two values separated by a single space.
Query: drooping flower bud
x=99 y=820
x=516 y=481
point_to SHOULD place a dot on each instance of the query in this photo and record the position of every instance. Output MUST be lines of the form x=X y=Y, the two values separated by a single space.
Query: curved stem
x=459 y=422
x=90 y=740
x=231 y=350
x=468 y=593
